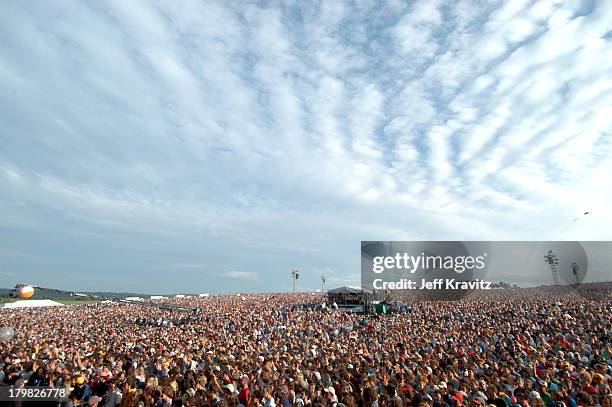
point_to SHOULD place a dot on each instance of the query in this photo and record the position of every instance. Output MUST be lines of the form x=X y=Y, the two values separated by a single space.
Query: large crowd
x=513 y=347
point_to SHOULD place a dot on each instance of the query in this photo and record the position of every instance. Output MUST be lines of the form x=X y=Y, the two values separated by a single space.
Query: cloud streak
x=241 y=275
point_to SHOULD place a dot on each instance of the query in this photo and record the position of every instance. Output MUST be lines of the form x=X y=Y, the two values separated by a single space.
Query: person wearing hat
x=188 y=397
x=330 y=396
x=598 y=379
x=81 y=390
x=535 y=400
x=100 y=386
x=95 y=401
x=230 y=395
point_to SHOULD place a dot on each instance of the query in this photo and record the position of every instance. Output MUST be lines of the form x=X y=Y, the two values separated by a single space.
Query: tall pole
x=322 y=283
x=294 y=277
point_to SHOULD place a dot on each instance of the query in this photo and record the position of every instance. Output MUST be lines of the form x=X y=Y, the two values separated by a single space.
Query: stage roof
x=348 y=290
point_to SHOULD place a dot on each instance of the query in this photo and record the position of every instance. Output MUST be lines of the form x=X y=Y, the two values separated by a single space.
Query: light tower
x=322 y=283
x=553 y=262
x=294 y=277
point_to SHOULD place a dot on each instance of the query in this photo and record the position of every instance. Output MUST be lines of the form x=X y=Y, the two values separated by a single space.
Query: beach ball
x=26 y=291
x=6 y=333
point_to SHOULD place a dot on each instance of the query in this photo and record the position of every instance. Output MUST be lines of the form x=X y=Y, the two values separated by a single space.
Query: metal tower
x=553 y=262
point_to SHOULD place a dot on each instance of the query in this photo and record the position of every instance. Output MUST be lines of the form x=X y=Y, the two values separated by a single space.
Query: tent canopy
x=32 y=304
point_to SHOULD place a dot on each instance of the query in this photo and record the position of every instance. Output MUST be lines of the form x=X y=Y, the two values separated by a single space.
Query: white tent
x=32 y=304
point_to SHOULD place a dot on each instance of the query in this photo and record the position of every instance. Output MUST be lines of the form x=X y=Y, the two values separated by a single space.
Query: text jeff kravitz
x=435 y=284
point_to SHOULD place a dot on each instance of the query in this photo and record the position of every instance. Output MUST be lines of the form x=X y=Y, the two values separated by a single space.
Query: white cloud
x=240 y=275
x=415 y=31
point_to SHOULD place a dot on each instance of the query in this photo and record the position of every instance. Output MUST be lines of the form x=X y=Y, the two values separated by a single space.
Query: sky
x=202 y=146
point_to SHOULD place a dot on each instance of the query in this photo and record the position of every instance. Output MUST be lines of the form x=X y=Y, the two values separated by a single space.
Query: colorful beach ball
x=26 y=291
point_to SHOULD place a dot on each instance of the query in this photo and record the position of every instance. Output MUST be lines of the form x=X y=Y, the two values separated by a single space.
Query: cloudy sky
x=201 y=146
